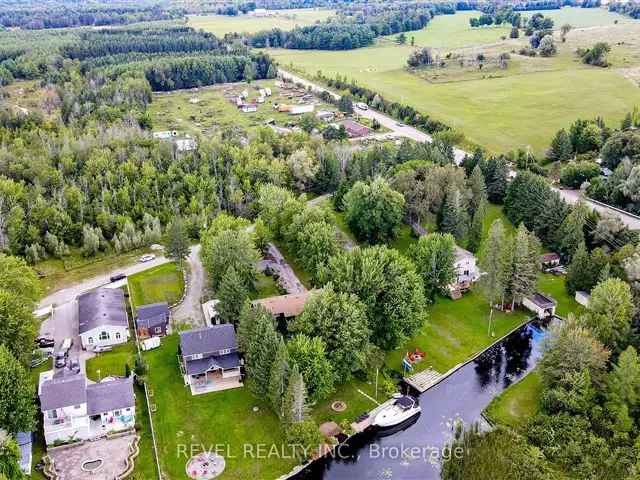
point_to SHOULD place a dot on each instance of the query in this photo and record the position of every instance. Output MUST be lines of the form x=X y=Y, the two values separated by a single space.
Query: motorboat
x=398 y=410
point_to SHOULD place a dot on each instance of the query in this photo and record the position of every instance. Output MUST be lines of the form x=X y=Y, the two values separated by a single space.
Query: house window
x=225 y=351
x=196 y=356
x=90 y=339
x=77 y=407
x=466 y=272
x=158 y=329
x=52 y=414
x=116 y=413
x=104 y=336
x=117 y=335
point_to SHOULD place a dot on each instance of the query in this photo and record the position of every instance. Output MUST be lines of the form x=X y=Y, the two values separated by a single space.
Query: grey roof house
x=153 y=320
x=209 y=359
x=102 y=318
x=75 y=408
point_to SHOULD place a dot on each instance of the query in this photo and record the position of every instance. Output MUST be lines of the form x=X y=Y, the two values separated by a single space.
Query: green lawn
x=404 y=239
x=285 y=20
x=518 y=403
x=500 y=110
x=162 y=283
x=225 y=419
x=112 y=363
x=555 y=286
x=455 y=331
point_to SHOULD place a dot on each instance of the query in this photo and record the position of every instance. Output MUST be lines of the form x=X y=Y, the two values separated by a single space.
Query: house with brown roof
x=285 y=307
x=355 y=129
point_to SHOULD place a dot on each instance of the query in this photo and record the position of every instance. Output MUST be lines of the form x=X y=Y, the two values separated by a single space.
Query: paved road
x=399 y=129
x=67 y=294
x=573 y=196
x=190 y=310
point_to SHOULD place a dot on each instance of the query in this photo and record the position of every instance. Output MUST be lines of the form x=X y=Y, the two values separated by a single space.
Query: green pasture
x=285 y=20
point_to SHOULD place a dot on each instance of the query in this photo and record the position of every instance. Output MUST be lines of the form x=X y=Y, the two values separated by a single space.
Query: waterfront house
x=542 y=305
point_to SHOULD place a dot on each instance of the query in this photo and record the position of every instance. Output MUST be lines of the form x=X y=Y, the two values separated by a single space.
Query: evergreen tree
x=279 y=377
x=247 y=324
x=260 y=354
x=177 y=241
x=524 y=274
x=561 y=148
x=476 y=228
x=232 y=294
x=627 y=122
x=495 y=172
x=547 y=223
x=295 y=408
x=571 y=233
x=478 y=189
x=454 y=218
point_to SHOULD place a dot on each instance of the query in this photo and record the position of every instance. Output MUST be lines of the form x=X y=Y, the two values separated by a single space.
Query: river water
x=415 y=451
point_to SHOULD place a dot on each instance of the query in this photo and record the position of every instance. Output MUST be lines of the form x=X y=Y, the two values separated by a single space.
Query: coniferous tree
x=577 y=271
x=493 y=262
x=279 y=377
x=561 y=148
x=454 y=219
x=478 y=190
x=259 y=355
x=524 y=274
x=295 y=408
x=495 y=172
x=571 y=233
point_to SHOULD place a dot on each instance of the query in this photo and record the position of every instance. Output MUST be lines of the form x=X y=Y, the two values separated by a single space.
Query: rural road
x=67 y=294
x=398 y=128
x=574 y=196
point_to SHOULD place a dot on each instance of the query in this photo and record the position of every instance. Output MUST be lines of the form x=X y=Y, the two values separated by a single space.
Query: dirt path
x=190 y=310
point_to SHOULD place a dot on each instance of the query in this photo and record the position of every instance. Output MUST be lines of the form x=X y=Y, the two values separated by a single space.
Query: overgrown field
x=285 y=20
x=500 y=109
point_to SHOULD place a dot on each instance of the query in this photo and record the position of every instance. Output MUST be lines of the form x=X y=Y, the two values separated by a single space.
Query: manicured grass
x=518 y=403
x=112 y=363
x=455 y=331
x=159 y=284
x=555 y=286
x=222 y=418
x=285 y=20
x=499 y=110
x=356 y=402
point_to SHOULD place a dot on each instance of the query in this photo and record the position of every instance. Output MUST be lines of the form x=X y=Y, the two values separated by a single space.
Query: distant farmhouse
x=209 y=359
x=183 y=143
x=75 y=409
x=102 y=318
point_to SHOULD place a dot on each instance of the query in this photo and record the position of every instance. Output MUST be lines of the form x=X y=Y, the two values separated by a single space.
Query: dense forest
x=64 y=14
x=627 y=8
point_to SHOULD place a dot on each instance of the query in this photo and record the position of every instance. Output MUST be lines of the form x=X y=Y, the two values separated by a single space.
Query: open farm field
x=285 y=20
x=486 y=104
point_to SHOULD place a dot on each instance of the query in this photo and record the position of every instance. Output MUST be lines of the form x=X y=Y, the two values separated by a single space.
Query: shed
x=153 y=320
x=542 y=305
x=549 y=260
x=583 y=298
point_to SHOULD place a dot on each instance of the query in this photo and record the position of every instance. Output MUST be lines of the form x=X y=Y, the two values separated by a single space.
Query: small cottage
x=102 y=318
x=542 y=305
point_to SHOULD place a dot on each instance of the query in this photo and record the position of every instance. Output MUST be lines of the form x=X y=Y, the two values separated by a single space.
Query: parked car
x=74 y=365
x=362 y=106
x=147 y=258
x=61 y=359
x=45 y=342
x=117 y=276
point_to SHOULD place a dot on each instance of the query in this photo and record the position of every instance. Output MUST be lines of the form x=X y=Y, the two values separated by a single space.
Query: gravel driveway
x=190 y=310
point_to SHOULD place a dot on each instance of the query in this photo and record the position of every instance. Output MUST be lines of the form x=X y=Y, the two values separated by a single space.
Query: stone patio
x=68 y=461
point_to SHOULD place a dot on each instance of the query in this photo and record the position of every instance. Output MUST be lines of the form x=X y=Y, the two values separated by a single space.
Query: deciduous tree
x=17 y=409
x=309 y=354
x=434 y=258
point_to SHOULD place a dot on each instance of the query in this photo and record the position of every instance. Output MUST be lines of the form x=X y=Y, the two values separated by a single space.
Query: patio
x=213 y=382
x=68 y=461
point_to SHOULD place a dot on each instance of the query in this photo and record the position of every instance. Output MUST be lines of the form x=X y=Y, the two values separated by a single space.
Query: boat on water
x=399 y=410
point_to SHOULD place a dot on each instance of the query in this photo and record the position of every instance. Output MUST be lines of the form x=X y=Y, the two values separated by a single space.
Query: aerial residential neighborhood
x=319 y=240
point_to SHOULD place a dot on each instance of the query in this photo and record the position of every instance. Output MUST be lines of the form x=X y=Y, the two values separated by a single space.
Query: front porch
x=215 y=381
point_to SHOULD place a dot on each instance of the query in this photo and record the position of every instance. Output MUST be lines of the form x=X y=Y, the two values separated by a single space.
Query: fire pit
x=92 y=465
x=338 y=406
x=205 y=466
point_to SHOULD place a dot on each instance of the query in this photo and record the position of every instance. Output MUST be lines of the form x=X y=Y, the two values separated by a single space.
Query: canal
x=414 y=451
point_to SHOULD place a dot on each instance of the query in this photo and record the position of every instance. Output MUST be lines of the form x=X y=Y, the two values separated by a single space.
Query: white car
x=147 y=258
x=362 y=106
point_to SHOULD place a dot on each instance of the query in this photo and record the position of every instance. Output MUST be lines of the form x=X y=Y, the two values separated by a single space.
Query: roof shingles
x=104 y=306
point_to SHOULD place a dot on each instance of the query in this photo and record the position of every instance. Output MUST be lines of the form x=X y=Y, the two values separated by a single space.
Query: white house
x=210 y=312
x=186 y=144
x=542 y=305
x=466 y=270
x=75 y=409
x=102 y=318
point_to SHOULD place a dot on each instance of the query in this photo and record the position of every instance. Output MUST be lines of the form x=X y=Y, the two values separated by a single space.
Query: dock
x=424 y=380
